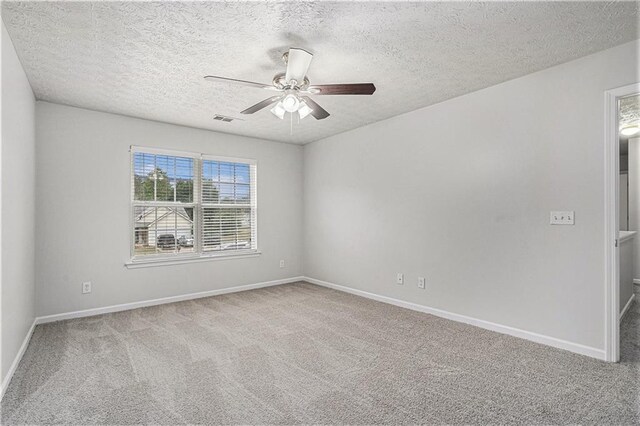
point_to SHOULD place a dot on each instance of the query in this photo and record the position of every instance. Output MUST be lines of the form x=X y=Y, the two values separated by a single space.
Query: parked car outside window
x=166 y=241
x=185 y=241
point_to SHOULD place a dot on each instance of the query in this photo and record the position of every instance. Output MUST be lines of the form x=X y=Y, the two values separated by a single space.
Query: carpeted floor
x=300 y=353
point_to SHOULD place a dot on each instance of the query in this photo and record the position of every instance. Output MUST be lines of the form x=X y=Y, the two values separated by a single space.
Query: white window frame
x=198 y=205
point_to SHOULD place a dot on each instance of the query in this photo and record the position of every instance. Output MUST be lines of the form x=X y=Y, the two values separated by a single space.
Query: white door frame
x=611 y=217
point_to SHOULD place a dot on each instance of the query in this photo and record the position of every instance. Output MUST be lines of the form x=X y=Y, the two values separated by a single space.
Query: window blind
x=228 y=205
x=186 y=204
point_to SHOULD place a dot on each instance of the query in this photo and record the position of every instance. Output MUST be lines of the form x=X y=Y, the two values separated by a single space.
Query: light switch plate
x=421 y=282
x=562 y=218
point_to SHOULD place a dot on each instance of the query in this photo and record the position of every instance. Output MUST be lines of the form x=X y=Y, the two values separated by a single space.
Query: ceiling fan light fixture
x=630 y=130
x=294 y=88
x=290 y=103
x=304 y=110
x=278 y=110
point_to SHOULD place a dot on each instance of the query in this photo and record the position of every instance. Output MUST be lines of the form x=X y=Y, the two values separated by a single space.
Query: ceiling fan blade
x=260 y=105
x=298 y=64
x=241 y=82
x=342 y=89
x=318 y=112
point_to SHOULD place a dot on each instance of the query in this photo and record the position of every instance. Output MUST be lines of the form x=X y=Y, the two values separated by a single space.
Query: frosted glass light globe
x=290 y=103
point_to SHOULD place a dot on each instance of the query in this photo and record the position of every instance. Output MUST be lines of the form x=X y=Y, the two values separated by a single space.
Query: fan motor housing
x=279 y=80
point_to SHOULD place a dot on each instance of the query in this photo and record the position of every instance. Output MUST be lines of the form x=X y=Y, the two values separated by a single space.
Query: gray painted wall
x=460 y=193
x=626 y=272
x=623 y=220
x=82 y=220
x=18 y=189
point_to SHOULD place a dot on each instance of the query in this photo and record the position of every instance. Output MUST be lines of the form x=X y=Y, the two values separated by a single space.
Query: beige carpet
x=299 y=353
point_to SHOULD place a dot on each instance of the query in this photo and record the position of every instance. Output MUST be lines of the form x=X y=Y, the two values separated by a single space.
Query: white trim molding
x=627 y=306
x=487 y=325
x=169 y=261
x=16 y=361
x=611 y=147
x=161 y=301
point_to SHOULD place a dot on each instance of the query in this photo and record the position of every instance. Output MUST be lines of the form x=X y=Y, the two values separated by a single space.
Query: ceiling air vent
x=224 y=118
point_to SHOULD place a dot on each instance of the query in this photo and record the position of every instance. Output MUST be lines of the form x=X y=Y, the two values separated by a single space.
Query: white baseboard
x=7 y=379
x=528 y=335
x=627 y=306
x=161 y=301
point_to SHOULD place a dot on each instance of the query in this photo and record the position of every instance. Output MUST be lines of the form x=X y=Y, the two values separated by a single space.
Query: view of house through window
x=190 y=205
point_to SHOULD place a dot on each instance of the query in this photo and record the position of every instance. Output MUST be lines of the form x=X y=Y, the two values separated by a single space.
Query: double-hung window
x=187 y=205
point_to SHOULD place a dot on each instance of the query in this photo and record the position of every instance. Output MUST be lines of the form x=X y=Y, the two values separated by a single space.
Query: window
x=188 y=205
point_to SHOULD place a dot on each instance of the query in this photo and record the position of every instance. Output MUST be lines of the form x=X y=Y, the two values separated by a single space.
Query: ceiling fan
x=294 y=88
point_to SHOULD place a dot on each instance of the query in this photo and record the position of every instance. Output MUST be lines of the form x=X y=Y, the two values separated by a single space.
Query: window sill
x=149 y=263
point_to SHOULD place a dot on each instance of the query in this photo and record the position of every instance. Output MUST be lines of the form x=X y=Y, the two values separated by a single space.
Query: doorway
x=619 y=246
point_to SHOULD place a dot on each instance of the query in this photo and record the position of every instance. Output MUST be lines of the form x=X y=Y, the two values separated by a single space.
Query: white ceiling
x=147 y=59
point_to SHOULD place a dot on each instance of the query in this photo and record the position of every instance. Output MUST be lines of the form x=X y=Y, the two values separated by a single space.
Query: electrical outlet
x=282 y=263
x=421 y=282
x=86 y=287
x=400 y=278
x=561 y=218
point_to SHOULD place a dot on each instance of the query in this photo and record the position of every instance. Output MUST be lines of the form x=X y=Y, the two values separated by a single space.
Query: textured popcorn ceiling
x=628 y=114
x=147 y=59
x=630 y=111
